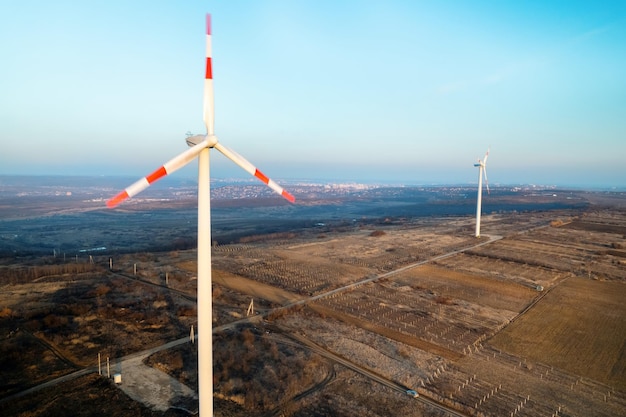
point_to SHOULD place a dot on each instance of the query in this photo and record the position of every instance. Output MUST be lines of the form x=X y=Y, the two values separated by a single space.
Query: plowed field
x=578 y=327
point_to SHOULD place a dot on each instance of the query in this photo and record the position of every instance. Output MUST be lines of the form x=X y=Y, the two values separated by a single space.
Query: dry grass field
x=532 y=324
x=578 y=327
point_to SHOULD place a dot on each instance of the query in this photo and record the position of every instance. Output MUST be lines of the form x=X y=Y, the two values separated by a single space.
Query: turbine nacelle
x=482 y=170
x=211 y=140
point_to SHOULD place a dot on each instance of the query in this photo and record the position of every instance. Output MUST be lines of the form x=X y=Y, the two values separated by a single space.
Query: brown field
x=87 y=394
x=578 y=327
x=533 y=324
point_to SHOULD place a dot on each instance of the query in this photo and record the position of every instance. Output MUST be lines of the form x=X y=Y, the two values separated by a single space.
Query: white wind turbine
x=199 y=147
x=482 y=171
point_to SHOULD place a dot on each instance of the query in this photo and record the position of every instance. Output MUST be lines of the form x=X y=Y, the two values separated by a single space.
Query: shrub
x=101 y=290
x=5 y=312
x=440 y=299
x=52 y=321
x=79 y=309
x=217 y=291
x=187 y=312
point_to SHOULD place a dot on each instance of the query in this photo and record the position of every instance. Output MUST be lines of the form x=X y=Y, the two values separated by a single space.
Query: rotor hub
x=211 y=140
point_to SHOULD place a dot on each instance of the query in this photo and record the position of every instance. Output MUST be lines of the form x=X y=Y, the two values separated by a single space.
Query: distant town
x=98 y=189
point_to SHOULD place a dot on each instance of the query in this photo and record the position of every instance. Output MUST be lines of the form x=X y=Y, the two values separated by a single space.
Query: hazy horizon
x=178 y=180
x=365 y=91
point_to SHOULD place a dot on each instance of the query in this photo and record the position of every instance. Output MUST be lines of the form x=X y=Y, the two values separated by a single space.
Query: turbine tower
x=482 y=171
x=199 y=147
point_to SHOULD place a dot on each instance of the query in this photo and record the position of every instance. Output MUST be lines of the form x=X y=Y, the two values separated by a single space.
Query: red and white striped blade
x=167 y=168
x=485 y=159
x=209 y=111
x=252 y=170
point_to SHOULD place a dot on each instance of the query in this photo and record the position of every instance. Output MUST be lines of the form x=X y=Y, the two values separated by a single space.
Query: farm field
x=577 y=327
x=528 y=320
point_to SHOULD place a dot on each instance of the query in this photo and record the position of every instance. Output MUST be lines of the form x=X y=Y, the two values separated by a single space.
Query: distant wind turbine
x=482 y=171
x=199 y=147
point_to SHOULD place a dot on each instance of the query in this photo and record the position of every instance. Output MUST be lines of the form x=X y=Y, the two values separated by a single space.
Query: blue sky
x=406 y=91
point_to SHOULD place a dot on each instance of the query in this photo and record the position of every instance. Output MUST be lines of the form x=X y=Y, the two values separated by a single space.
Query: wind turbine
x=482 y=171
x=199 y=147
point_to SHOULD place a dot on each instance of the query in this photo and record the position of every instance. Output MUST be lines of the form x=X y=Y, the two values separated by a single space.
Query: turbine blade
x=485 y=175
x=252 y=170
x=166 y=169
x=209 y=110
x=485 y=160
